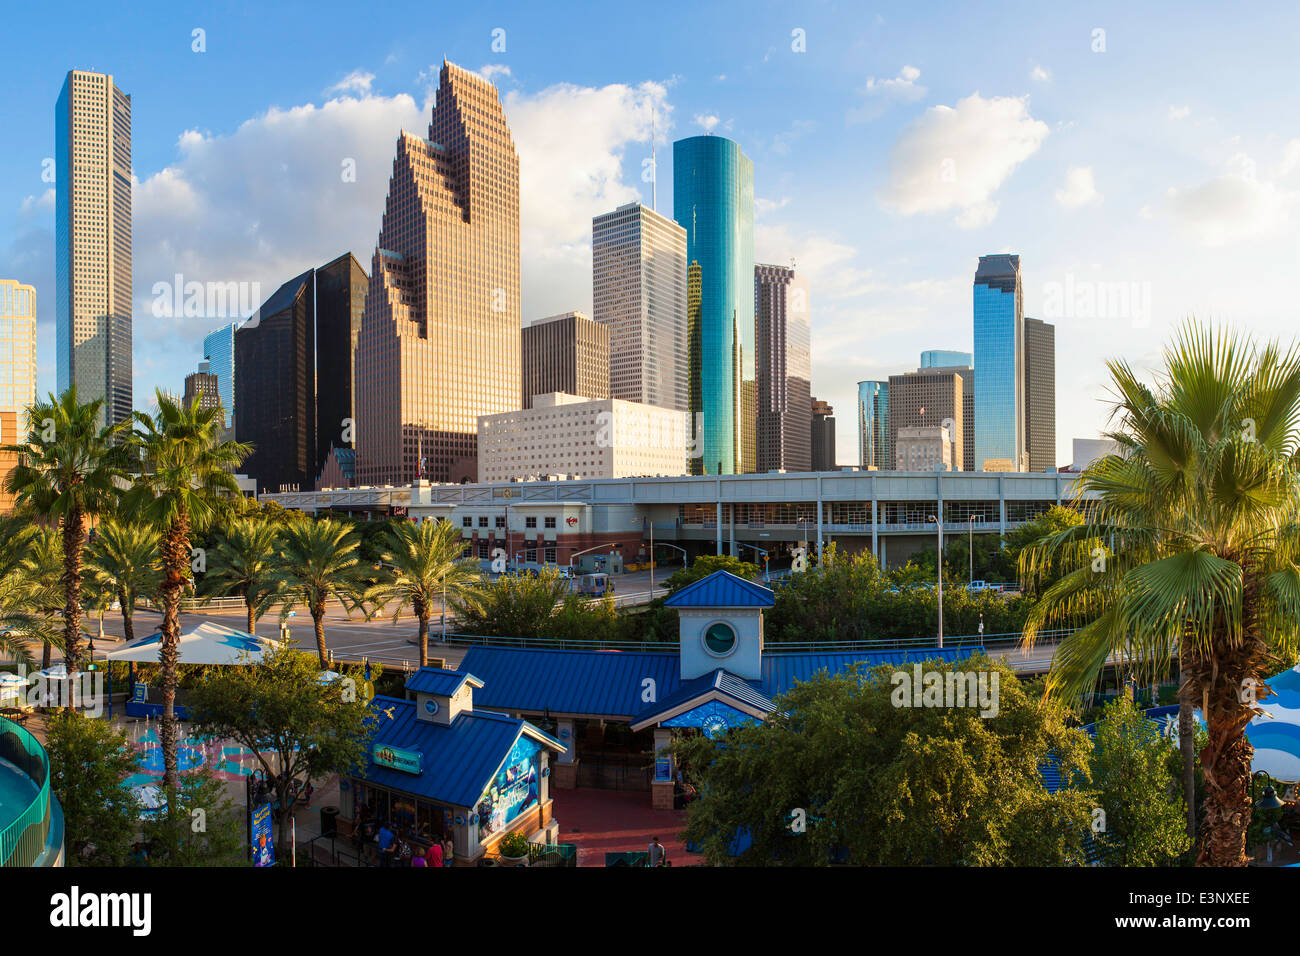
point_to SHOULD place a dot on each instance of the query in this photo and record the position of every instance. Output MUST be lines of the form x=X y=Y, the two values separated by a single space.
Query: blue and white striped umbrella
x=1276 y=737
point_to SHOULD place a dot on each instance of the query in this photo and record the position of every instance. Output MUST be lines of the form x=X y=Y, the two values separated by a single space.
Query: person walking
x=658 y=855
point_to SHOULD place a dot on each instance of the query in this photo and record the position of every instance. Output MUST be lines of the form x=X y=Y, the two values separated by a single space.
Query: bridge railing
x=23 y=839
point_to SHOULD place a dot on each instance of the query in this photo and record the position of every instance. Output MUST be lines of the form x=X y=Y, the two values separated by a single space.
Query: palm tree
x=19 y=595
x=68 y=471
x=319 y=560
x=185 y=483
x=1192 y=546
x=243 y=563
x=427 y=563
x=40 y=568
x=124 y=561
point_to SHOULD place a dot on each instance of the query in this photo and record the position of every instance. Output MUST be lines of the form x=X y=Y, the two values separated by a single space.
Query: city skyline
x=1189 y=229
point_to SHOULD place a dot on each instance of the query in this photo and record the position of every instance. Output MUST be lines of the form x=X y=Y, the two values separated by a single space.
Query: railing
x=560 y=854
x=23 y=840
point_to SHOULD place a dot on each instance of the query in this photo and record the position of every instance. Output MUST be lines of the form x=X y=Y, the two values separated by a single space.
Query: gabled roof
x=722 y=589
x=719 y=685
x=436 y=680
x=459 y=760
x=594 y=683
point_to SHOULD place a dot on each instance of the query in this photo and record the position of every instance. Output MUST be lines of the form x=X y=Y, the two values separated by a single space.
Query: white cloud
x=1040 y=73
x=1290 y=157
x=763 y=206
x=37 y=204
x=1079 y=190
x=357 y=81
x=1179 y=112
x=957 y=157
x=879 y=94
x=490 y=70
x=1232 y=207
x=707 y=121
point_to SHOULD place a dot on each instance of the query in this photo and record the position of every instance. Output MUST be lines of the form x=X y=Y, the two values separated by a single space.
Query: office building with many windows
x=92 y=215
x=713 y=199
x=823 y=436
x=946 y=358
x=874 y=448
x=17 y=353
x=927 y=398
x=565 y=353
x=219 y=353
x=1040 y=394
x=784 y=367
x=638 y=292
x=999 y=365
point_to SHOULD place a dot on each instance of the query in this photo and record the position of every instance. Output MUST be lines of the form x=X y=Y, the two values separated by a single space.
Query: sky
x=1145 y=164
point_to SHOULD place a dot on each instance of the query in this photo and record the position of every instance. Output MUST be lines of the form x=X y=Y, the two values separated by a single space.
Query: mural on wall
x=514 y=790
x=714 y=719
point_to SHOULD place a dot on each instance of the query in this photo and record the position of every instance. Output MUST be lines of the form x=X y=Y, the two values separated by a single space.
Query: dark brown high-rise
x=440 y=342
x=565 y=353
x=929 y=396
x=1040 y=394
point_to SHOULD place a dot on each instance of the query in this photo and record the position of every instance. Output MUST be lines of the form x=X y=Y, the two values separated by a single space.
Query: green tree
x=89 y=763
x=1130 y=770
x=125 y=561
x=23 y=598
x=516 y=605
x=67 y=472
x=318 y=561
x=243 y=562
x=705 y=565
x=888 y=783
x=186 y=483
x=1191 y=547
x=426 y=562
x=202 y=826
x=40 y=571
x=299 y=728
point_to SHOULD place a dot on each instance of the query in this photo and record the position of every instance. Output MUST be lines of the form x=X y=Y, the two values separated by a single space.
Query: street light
x=939 y=525
x=766 y=575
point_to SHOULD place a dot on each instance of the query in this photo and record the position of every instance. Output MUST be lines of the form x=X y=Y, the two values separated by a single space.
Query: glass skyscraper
x=874 y=449
x=713 y=199
x=999 y=365
x=219 y=353
x=945 y=358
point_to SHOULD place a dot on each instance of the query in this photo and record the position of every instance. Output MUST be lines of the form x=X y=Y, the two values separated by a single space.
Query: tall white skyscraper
x=92 y=132
x=17 y=350
x=638 y=260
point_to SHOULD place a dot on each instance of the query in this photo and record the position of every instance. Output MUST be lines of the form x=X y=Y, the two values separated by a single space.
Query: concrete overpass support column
x=819 y=517
x=1002 y=506
x=875 y=520
x=731 y=530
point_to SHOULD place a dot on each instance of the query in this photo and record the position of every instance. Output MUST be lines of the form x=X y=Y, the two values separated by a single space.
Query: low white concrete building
x=586 y=438
x=925 y=448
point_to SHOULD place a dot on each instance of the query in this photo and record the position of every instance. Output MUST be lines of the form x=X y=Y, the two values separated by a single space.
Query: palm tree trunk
x=45 y=655
x=318 y=621
x=1187 y=738
x=424 y=638
x=176 y=566
x=128 y=616
x=74 y=537
x=248 y=605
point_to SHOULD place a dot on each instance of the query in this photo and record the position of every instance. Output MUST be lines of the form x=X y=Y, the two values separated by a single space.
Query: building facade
x=928 y=397
x=92 y=132
x=1000 y=364
x=784 y=369
x=946 y=358
x=823 y=436
x=340 y=296
x=440 y=339
x=638 y=286
x=565 y=353
x=573 y=435
x=202 y=385
x=219 y=353
x=17 y=353
x=926 y=448
x=1040 y=394
x=713 y=199
x=874 y=449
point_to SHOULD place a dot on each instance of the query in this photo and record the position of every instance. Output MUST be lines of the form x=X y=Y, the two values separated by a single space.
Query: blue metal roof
x=609 y=683
x=722 y=589
x=725 y=682
x=597 y=683
x=436 y=680
x=458 y=761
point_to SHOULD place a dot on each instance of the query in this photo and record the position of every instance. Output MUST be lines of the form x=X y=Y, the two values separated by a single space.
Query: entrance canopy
x=207 y=643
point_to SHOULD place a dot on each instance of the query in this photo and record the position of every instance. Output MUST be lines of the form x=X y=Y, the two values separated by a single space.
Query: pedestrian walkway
x=612 y=821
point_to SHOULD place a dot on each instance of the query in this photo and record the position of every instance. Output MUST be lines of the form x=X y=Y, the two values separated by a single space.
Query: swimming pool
x=17 y=792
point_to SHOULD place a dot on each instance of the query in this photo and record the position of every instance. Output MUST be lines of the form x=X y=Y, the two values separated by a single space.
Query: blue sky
x=1144 y=173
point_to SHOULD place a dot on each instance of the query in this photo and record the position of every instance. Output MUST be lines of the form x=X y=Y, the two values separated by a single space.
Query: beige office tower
x=638 y=285
x=566 y=353
x=17 y=352
x=92 y=131
x=925 y=398
x=439 y=343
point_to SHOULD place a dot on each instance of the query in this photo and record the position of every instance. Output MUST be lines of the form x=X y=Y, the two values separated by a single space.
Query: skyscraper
x=784 y=369
x=340 y=303
x=928 y=398
x=203 y=386
x=823 y=436
x=945 y=358
x=999 y=365
x=1040 y=394
x=440 y=342
x=17 y=353
x=713 y=198
x=638 y=284
x=565 y=353
x=92 y=135
x=219 y=353
x=874 y=448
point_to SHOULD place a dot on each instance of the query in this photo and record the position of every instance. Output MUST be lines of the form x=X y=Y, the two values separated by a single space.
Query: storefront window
x=403 y=812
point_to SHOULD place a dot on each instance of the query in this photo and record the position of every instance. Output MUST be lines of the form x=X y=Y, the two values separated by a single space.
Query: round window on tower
x=720 y=639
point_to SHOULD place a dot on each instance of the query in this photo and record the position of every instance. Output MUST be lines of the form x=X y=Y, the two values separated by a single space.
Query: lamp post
x=759 y=550
x=939 y=524
x=970 y=546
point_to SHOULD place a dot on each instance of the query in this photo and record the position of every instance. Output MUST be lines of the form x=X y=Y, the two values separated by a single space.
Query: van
x=595 y=585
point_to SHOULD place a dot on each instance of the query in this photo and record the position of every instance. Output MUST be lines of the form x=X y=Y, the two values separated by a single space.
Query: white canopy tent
x=207 y=643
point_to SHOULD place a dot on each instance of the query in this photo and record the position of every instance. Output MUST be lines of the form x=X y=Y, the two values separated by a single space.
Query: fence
x=23 y=840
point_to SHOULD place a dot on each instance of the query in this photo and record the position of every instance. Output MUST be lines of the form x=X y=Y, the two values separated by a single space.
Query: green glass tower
x=713 y=199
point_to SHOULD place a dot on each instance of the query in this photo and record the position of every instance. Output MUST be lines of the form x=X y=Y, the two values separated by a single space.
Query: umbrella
x=1276 y=735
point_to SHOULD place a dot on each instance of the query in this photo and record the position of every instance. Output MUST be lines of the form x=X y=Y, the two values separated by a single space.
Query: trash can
x=329 y=821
